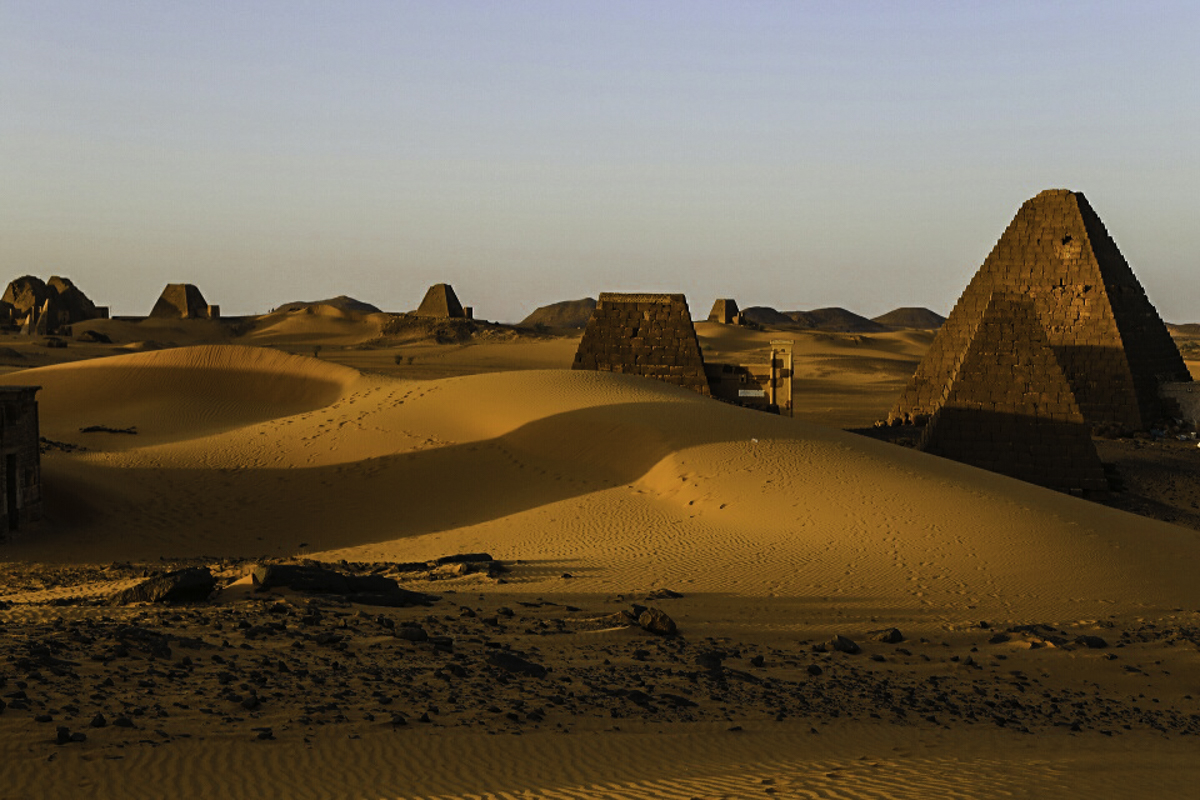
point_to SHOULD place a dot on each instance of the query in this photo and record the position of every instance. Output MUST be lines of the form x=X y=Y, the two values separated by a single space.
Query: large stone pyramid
x=1008 y=406
x=643 y=334
x=441 y=302
x=1108 y=339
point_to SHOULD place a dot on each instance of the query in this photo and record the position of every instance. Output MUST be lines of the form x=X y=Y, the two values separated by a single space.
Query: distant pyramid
x=644 y=334
x=183 y=301
x=1008 y=406
x=440 y=302
x=1108 y=339
x=724 y=311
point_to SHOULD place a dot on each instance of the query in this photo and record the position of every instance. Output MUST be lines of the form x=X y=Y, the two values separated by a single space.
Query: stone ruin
x=183 y=301
x=46 y=309
x=21 y=462
x=442 y=303
x=725 y=311
x=1008 y=407
x=650 y=335
x=1111 y=345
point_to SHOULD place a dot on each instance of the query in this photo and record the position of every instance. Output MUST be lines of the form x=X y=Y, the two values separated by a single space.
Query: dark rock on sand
x=657 y=622
x=191 y=585
x=511 y=662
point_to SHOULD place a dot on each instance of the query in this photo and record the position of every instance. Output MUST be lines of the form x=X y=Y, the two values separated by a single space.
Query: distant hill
x=838 y=320
x=765 y=315
x=911 y=318
x=341 y=303
x=567 y=314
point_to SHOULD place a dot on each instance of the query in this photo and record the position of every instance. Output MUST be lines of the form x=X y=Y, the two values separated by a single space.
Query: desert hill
x=837 y=319
x=913 y=318
x=765 y=315
x=567 y=314
x=341 y=303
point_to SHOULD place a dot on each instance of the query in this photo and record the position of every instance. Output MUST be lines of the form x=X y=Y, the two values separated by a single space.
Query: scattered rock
x=511 y=662
x=657 y=622
x=191 y=585
x=841 y=644
x=1091 y=642
x=888 y=636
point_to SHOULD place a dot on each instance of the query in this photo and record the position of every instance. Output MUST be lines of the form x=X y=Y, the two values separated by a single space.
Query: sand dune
x=630 y=482
x=179 y=392
x=777 y=532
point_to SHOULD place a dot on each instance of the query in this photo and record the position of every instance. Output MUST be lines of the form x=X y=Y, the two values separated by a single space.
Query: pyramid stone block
x=643 y=334
x=1009 y=408
x=440 y=302
x=1106 y=336
x=182 y=301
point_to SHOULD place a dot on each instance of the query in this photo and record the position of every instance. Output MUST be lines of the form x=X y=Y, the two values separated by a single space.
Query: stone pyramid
x=181 y=301
x=643 y=334
x=1008 y=406
x=724 y=311
x=441 y=302
x=1105 y=334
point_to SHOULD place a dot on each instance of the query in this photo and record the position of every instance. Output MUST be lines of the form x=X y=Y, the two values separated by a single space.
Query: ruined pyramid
x=1008 y=407
x=183 y=301
x=643 y=334
x=440 y=302
x=1106 y=336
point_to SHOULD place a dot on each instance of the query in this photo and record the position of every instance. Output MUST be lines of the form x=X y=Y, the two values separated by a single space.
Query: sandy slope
x=627 y=482
x=775 y=530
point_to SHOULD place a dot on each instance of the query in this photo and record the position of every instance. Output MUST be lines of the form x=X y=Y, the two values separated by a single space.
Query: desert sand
x=1046 y=644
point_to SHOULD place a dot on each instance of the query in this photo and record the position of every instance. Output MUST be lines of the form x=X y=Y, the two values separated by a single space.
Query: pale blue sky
x=792 y=154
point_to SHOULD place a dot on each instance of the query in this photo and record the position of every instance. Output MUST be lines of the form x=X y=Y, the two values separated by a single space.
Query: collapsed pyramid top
x=1008 y=406
x=1109 y=341
x=440 y=302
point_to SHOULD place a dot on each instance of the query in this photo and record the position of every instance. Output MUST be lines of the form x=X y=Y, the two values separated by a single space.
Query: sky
x=792 y=154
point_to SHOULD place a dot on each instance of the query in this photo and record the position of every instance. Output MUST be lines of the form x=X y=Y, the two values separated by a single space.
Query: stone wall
x=20 y=461
x=1008 y=407
x=1109 y=341
x=650 y=335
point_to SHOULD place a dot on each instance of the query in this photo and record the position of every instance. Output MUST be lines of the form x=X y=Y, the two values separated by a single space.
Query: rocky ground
x=264 y=665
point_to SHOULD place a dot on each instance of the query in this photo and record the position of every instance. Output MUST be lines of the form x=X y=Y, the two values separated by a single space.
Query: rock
x=191 y=585
x=123 y=722
x=657 y=622
x=888 y=636
x=1091 y=642
x=301 y=578
x=412 y=633
x=841 y=644
x=511 y=662
x=757 y=661
x=367 y=590
x=62 y=735
x=814 y=670
x=710 y=659
x=465 y=558
x=98 y=721
x=999 y=638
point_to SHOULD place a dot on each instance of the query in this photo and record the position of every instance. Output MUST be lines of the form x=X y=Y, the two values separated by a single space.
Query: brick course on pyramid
x=643 y=334
x=1106 y=336
x=1009 y=408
